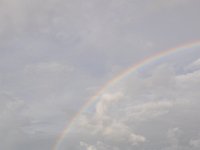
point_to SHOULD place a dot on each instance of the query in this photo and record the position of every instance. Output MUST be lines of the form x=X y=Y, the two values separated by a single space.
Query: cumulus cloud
x=87 y=147
x=156 y=117
x=141 y=112
x=120 y=132
x=105 y=101
x=98 y=146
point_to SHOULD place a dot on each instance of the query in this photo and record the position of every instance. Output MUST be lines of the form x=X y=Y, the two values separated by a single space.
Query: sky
x=56 y=54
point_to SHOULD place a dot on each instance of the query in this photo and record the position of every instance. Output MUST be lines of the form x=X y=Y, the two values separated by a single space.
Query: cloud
x=47 y=67
x=149 y=110
x=12 y=120
x=98 y=146
x=155 y=115
x=105 y=101
x=194 y=66
x=195 y=143
x=173 y=135
x=87 y=147
x=52 y=52
x=119 y=132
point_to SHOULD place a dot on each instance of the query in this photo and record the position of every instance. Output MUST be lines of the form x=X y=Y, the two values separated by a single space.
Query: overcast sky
x=56 y=54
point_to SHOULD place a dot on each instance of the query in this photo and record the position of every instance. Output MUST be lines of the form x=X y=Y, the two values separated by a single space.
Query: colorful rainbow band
x=117 y=78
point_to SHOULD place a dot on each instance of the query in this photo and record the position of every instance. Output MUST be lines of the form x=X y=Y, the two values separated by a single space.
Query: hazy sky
x=56 y=54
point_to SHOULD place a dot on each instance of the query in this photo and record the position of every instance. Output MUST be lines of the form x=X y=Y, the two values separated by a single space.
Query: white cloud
x=87 y=147
x=119 y=132
x=149 y=110
x=158 y=111
x=99 y=145
x=105 y=101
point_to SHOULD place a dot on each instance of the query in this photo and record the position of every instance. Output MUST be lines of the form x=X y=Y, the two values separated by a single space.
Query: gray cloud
x=55 y=54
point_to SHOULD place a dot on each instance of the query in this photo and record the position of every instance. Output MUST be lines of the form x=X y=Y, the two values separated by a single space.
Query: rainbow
x=118 y=78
